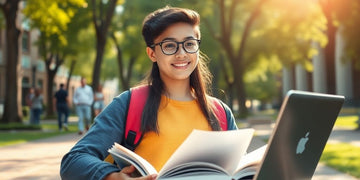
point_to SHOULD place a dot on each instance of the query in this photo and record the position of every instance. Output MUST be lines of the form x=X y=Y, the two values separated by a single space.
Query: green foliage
x=52 y=17
x=126 y=27
x=287 y=29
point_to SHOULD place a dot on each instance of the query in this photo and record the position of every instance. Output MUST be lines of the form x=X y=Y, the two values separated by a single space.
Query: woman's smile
x=181 y=65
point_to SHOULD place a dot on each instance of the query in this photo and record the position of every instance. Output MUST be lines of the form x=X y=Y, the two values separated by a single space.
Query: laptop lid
x=302 y=129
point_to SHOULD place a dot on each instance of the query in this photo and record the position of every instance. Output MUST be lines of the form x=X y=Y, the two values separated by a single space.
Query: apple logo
x=301 y=144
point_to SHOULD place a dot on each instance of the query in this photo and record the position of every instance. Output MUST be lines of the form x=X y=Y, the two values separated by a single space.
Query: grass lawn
x=347 y=121
x=22 y=136
x=343 y=157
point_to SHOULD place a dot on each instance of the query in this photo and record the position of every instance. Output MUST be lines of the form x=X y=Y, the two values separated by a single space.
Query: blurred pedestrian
x=36 y=106
x=83 y=99
x=98 y=101
x=60 y=104
x=28 y=98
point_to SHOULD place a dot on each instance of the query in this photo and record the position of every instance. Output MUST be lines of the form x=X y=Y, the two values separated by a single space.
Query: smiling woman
x=176 y=101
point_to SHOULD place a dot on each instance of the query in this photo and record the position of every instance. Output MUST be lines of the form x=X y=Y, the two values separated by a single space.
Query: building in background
x=33 y=70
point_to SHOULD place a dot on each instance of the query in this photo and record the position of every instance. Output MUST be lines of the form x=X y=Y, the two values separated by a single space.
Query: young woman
x=178 y=101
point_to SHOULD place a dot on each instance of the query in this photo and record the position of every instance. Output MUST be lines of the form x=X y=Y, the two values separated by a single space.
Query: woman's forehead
x=179 y=32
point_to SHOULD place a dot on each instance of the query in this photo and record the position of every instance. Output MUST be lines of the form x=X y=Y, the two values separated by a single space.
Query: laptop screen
x=302 y=129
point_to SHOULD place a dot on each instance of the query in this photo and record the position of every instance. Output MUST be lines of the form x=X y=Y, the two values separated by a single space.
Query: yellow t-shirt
x=176 y=120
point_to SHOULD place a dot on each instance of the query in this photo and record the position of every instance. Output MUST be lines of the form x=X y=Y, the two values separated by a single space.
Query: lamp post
x=33 y=76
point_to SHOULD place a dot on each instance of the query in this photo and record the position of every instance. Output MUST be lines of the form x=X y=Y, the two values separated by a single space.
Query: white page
x=146 y=166
x=224 y=148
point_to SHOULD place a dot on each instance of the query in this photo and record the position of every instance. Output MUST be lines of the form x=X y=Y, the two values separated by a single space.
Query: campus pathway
x=36 y=160
x=40 y=160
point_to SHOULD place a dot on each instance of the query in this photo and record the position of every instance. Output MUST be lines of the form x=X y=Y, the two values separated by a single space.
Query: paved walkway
x=36 y=160
x=40 y=160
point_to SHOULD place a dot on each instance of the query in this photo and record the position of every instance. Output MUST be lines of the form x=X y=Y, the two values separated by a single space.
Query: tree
x=345 y=15
x=327 y=7
x=126 y=35
x=12 y=104
x=52 y=19
x=235 y=53
x=257 y=33
x=349 y=16
x=102 y=14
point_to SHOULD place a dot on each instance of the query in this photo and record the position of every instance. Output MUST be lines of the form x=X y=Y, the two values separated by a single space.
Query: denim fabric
x=36 y=113
x=84 y=113
x=62 y=109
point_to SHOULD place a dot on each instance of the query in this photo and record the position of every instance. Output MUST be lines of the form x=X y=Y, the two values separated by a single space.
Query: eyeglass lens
x=171 y=47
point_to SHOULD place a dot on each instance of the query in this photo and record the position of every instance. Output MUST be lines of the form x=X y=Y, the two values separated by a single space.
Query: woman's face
x=179 y=66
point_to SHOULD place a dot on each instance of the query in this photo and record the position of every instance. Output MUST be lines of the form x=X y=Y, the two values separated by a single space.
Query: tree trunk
x=326 y=6
x=71 y=70
x=237 y=56
x=12 y=104
x=101 y=25
x=356 y=82
x=330 y=59
x=50 y=88
x=51 y=73
x=98 y=61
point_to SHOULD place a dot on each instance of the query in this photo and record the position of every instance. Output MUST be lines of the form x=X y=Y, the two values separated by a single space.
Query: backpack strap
x=220 y=113
x=138 y=97
x=137 y=102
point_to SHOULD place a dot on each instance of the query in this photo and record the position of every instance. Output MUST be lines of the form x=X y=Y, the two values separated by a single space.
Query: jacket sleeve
x=230 y=118
x=86 y=159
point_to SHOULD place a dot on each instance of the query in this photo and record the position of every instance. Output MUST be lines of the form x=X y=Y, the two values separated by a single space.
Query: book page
x=123 y=154
x=251 y=160
x=222 y=148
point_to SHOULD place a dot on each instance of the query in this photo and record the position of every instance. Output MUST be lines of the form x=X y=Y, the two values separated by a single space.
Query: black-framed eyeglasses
x=170 y=47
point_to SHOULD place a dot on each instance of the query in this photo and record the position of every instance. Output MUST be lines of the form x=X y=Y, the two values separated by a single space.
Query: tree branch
x=255 y=13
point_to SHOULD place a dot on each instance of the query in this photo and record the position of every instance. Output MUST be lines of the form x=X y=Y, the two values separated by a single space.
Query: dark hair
x=61 y=85
x=155 y=23
x=200 y=79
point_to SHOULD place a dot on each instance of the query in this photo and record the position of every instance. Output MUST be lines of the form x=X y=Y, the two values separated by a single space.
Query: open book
x=203 y=155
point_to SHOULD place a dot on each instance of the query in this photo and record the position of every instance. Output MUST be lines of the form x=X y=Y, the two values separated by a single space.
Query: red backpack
x=137 y=102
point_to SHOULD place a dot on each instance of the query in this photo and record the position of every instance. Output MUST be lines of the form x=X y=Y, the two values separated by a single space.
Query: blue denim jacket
x=85 y=159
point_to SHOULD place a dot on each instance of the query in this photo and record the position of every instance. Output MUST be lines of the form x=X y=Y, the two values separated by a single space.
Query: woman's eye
x=169 y=45
x=189 y=44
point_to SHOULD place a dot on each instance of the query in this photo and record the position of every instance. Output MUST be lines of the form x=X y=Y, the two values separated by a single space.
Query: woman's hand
x=125 y=174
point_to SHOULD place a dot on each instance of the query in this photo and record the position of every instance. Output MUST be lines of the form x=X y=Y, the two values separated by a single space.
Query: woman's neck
x=179 y=91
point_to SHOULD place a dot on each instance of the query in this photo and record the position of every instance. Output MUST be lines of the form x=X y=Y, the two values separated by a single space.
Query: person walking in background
x=98 y=100
x=36 y=106
x=83 y=99
x=28 y=98
x=60 y=104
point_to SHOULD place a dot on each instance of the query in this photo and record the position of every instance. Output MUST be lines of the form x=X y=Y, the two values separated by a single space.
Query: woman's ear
x=151 y=54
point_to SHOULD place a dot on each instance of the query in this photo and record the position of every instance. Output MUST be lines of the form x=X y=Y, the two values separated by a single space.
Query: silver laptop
x=303 y=127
